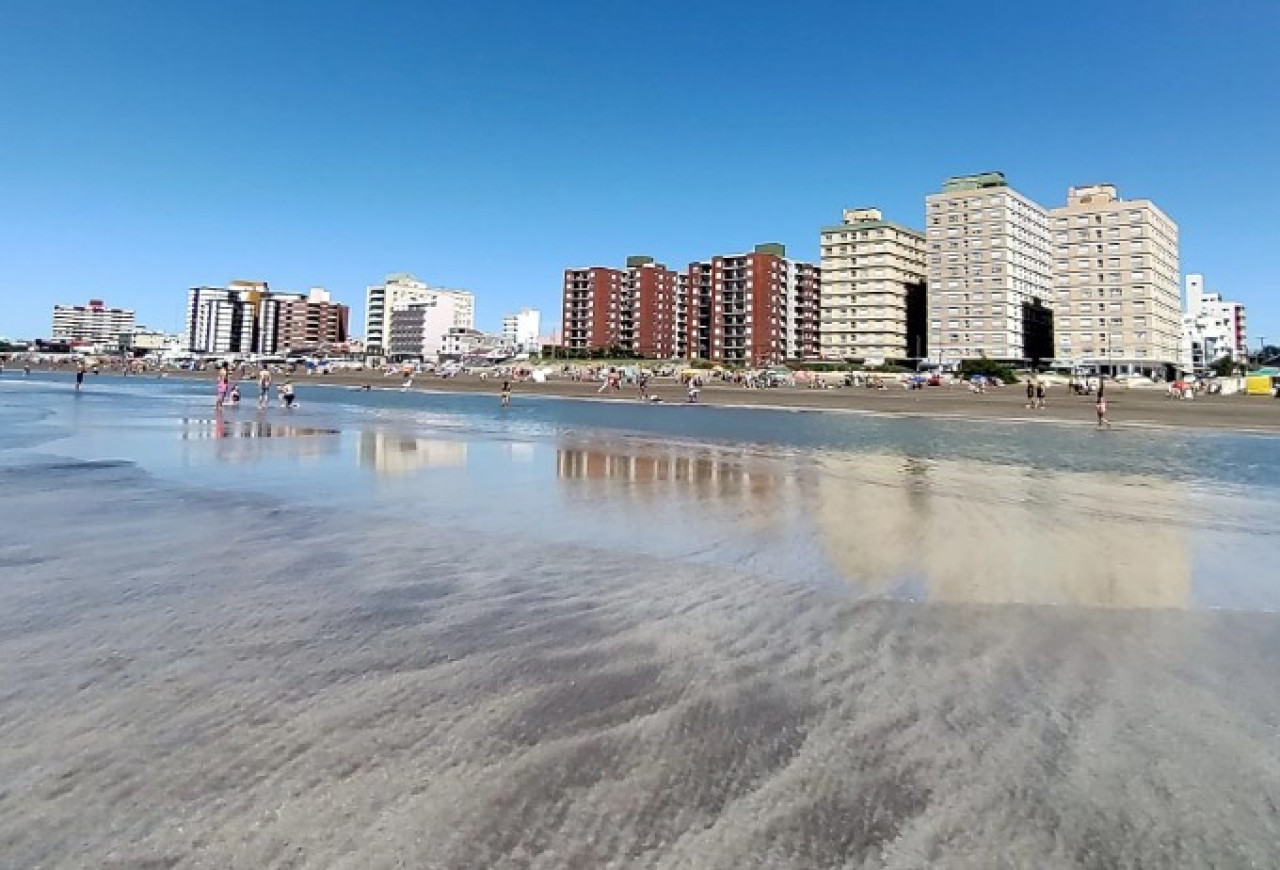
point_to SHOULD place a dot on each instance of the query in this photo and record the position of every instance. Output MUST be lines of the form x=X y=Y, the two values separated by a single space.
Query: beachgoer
x=1040 y=394
x=264 y=386
x=1031 y=394
x=79 y=375
x=286 y=394
x=693 y=390
x=505 y=395
x=26 y=369
x=235 y=395
x=224 y=385
x=643 y=383
x=1101 y=406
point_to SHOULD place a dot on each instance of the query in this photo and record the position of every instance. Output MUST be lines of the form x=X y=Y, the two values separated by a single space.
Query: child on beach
x=1101 y=406
x=286 y=394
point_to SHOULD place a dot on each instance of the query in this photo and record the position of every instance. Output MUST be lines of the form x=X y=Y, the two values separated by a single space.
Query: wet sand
x=218 y=683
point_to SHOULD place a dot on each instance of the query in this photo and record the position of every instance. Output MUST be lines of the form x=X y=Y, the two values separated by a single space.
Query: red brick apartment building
x=750 y=309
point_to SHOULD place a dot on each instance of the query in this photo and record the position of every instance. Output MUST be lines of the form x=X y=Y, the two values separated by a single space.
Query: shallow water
x=389 y=629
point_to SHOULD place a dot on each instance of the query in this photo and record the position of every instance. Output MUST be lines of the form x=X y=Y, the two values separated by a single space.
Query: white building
x=94 y=323
x=223 y=319
x=416 y=330
x=873 y=271
x=462 y=343
x=402 y=288
x=521 y=329
x=989 y=272
x=1212 y=328
x=1115 y=273
x=154 y=341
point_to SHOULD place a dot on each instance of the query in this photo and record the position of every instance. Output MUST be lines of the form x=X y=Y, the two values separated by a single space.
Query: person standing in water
x=79 y=375
x=264 y=386
x=224 y=385
x=505 y=395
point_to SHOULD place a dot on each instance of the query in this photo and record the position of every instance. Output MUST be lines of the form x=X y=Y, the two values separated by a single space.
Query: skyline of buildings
x=1094 y=282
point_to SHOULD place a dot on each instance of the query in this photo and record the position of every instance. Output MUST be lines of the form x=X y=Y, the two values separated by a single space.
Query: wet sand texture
x=193 y=679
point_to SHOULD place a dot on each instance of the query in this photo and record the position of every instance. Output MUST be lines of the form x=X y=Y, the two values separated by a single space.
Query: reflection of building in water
x=700 y=473
x=994 y=534
x=390 y=453
x=244 y=440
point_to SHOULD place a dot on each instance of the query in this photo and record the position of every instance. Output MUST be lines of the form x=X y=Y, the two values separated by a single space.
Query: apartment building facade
x=590 y=310
x=1212 y=328
x=523 y=328
x=94 y=323
x=873 y=292
x=401 y=288
x=989 y=272
x=298 y=324
x=1117 y=305
x=755 y=308
x=416 y=330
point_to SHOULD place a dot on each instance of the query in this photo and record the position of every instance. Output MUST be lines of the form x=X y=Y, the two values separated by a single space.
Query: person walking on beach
x=264 y=385
x=1031 y=393
x=1040 y=395
x=505 y=395
x=643 y=383
x=1101 y=407
x=79 y=375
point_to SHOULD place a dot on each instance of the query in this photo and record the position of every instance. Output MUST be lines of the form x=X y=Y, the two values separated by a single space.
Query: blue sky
x=149 y=146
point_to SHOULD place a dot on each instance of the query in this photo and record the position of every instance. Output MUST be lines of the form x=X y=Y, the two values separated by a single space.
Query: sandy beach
x=1126 y=407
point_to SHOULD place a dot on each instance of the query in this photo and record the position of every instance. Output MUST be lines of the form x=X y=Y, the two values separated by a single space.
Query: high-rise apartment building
x=753 y=309
x=590 y=311
x=649 y=313
x=1115 y=273
x=94 y=323
x=1212 y=328
x=223 y=319
x=400 y=288
x=873 y=299
x=989 y=272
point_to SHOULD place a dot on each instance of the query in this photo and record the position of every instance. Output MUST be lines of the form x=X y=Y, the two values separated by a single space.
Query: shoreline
x=1128 y=408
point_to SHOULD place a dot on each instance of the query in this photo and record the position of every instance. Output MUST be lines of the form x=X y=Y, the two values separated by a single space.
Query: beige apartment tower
x=1117 y=306
x=989 y=272
x=873 y=282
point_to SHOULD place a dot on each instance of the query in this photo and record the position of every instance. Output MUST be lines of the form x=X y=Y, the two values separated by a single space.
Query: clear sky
x=150 y=145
